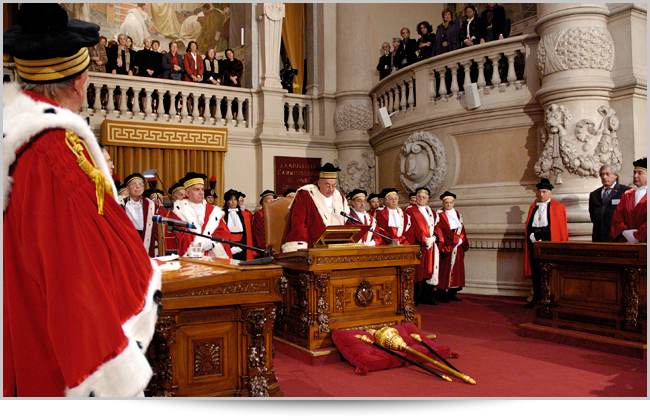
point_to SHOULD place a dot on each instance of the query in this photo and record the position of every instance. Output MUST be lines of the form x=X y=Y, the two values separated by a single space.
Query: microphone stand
x=356 y=222
x=266 y=253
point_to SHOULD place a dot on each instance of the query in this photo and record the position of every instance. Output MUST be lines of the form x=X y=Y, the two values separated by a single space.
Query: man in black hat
x=259 y=239
x=289 y=193
x=207 y=219
x=315 y=207
x=141 y=210
x=209 y=196
x=373 y=203
x=177 y=192
x=392 y=221
x=81 y=325
x=357 y=200
x=630 y=220
x=603 y=202
x=546 y=222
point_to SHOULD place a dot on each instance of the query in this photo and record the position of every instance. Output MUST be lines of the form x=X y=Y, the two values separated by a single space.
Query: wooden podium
x=214 y=334
x=345 y=288
x=598 y=288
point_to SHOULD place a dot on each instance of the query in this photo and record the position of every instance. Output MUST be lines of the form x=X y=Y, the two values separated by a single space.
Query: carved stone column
x=353 y=115
x=575 y=55
x=270 y=16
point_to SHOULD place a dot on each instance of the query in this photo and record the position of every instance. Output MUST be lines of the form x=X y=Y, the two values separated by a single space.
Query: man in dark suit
x=406 y=53
x=385 y=61
x=603 y=203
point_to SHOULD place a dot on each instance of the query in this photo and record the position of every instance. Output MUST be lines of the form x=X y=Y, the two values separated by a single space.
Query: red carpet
x=503 y=359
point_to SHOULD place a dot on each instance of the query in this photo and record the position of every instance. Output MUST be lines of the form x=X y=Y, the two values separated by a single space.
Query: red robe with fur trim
x=150 y=229
x=247 y=237
x=398 y=234
x=367 y=220
x=213 y=224
x=451 y=277
x=259 y=238
x=628 y=216
x=78 y=286
x=420 y=230
x=559 y=230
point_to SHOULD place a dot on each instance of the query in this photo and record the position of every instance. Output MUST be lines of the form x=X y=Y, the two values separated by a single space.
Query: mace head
x=389 y=337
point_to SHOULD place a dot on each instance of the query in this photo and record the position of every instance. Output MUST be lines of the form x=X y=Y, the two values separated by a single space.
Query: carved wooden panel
x=207 y=357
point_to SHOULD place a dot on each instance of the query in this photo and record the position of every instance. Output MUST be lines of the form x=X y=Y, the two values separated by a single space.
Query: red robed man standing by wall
x=546 y=222
x=314 y=207
x=630 y=220
x=453 y=246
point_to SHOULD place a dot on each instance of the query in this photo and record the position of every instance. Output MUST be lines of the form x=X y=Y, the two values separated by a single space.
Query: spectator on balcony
x=148 y=61
x=231 y=69
x=494 y=23
x=172 y=63
x=472 y=30
x=193 y=63
x=447 y=34
x=426 y=41
x=121 y=59
x=406 y=52
x=396 y=42
x=98 y=57
x=385 y=66
x=211 y=69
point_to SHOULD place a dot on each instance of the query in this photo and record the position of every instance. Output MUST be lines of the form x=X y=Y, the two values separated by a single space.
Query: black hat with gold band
x=388 y=191
x=177 y=186
x=641 y=163
x=447 y=194
x=372 y=196
x=328 y=171
x=47 y=46
x=133 y=176
x=151 y=193
x=413 y=194
x=356 y=193
x=423 y=189
x=267 y=193
x=289 y=191
x=193 y=178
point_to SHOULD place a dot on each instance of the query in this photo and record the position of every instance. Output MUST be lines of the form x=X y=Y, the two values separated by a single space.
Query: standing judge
x=546 y=222
x=357 y=199
x=630 y=221
x=453 y=246
x=314 y=207
x=80 y=297
x=391 y=220
x=603 y=203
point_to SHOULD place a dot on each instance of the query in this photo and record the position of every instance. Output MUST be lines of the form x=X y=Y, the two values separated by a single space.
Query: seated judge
x=453 y=246
x=391 y=220
x=314 y=207
x=357 y=200
x=424 y=232
x=630 y=220
x=373 y=203
x=207 y=219
x=140 y=210
x=239 y=225
x=546 y=222
x=289 y=193
x=259 y=238
x=604 y=201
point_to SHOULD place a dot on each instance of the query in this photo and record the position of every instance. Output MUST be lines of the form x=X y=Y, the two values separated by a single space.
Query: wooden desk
x=214 y=334
x=348 y=288
x=599 y=288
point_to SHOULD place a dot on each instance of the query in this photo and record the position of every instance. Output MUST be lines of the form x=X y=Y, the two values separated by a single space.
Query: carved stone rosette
x=546 y=270
x=352 y=117
x=423 y=162
x=322 y=305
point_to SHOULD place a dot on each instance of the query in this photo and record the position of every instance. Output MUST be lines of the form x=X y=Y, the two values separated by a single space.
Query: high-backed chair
x=276 y=217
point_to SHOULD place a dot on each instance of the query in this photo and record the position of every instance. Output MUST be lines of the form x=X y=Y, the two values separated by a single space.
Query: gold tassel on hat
x=96 y=176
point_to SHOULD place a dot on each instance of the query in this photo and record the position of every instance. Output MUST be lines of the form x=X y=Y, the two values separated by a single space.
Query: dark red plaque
x=294 y=172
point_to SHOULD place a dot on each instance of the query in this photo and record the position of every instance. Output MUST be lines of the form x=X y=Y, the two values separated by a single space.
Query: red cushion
x=367 y=358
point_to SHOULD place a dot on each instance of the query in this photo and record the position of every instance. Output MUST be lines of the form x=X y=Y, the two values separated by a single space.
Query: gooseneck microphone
x=173 y=222
x=352 y=219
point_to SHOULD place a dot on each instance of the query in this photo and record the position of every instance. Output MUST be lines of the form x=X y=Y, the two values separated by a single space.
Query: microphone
x=173 y=222
x=352 y=219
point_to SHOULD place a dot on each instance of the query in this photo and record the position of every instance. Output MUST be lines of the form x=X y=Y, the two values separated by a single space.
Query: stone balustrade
x=495 y=67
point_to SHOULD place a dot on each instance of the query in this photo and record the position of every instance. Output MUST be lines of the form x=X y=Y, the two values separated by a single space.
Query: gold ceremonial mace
x=435 y=353
x=389 y=337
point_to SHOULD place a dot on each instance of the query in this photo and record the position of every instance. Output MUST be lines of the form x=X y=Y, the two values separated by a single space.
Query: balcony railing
x=495 y=67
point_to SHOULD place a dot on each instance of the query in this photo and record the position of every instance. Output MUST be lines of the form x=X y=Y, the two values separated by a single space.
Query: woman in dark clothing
x=121 y=59
x=494 y=23
x=239 y=224
x=426 y=41
x=471 y=32
x=211 y=69
x=231 y=69
x=447 y=34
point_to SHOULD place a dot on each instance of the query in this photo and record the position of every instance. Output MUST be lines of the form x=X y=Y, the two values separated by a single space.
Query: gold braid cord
x=77 y=147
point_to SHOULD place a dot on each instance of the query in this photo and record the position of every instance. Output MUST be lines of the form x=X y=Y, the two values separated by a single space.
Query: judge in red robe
x=546 y=222
x=259 y=237
x=453 y=245
x=391 y=220
x=357 y=201
x=424 y=232
x=239 y=225
x=314 y=207
x=141 y=210
x=373 y=203
x=629 y=222
x=80 y=298
x=207 y=219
